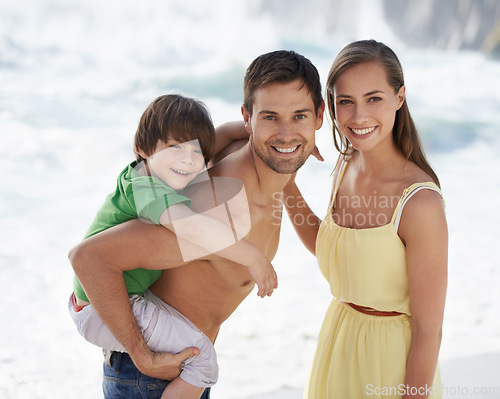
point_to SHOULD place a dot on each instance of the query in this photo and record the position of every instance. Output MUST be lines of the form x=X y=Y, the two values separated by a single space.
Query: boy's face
x=176 y=164
x=283 y=125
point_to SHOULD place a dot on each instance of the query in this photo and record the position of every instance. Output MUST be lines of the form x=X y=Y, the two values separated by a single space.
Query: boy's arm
x=228 y=137
x=99 y=262
x=216 y=237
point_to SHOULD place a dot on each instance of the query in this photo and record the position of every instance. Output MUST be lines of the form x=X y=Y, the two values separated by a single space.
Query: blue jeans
x=124 y=381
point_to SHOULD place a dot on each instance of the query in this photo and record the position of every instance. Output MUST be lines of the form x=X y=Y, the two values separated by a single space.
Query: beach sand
x=476 y=377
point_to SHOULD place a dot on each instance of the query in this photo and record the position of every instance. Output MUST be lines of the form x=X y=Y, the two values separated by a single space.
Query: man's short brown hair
x=281 y=66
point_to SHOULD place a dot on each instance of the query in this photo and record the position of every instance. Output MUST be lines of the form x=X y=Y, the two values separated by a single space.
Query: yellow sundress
x=361 y=356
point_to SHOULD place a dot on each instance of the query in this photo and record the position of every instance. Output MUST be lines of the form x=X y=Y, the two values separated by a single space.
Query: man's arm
x=99 y=262
x=303 y=219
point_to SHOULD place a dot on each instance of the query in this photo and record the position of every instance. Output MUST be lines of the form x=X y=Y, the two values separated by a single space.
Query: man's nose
x=285 y=131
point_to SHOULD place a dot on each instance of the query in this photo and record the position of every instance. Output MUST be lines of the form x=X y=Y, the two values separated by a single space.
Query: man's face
x=283 y=125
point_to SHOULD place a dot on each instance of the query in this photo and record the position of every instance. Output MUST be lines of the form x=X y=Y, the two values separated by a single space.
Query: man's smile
x=285 y=150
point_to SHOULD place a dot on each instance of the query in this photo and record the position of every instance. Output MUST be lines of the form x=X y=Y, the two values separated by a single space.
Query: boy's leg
x=180 y=389
x=92 y=328
x=172 y=332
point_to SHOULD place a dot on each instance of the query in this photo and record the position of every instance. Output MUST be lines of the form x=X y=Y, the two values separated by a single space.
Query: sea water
x=74 y=80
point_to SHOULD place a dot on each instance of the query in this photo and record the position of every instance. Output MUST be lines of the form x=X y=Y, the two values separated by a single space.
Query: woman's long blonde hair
x=404 y=133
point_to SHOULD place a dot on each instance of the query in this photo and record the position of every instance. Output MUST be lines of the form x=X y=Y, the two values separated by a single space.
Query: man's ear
x=246 y=119
x=320 y=115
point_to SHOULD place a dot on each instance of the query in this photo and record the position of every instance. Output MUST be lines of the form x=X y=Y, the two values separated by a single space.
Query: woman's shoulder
x=413 y=175
x=425 y=199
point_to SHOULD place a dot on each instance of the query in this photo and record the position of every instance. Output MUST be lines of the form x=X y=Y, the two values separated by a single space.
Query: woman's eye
x=344 y=102
x=375 y=99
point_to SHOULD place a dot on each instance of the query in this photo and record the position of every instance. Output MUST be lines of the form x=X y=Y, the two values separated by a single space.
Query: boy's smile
x=176 y=164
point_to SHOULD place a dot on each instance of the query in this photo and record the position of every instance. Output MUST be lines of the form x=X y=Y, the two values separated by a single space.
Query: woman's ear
x=401 y=96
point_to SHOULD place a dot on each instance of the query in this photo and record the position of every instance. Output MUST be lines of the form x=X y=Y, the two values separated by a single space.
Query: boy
x=174 y=139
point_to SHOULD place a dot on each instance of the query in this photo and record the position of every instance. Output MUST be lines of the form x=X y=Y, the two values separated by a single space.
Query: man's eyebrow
x=303 y=111
x=299 y=111
x=264 y=111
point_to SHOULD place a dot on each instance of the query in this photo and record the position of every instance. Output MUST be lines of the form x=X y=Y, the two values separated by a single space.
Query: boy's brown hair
x=175 y=117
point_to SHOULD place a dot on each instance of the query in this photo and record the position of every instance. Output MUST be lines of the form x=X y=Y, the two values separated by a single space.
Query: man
x=282 y=109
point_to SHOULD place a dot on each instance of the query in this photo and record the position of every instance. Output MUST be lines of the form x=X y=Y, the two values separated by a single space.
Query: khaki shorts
x=164 y=330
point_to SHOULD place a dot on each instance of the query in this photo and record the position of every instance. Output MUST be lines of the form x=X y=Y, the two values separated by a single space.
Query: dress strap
x=342 y=167
x=407 y=194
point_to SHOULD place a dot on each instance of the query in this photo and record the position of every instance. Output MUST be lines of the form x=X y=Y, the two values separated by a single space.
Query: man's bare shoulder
x=224 y=181
x=230 y=149
x=236 y=164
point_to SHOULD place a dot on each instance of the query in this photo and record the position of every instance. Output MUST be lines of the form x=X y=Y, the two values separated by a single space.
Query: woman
x=383 y=243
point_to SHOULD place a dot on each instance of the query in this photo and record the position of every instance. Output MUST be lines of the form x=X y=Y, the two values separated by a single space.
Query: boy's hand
x=265 y=277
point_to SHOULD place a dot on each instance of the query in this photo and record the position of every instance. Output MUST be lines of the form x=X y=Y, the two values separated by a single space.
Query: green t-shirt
x=136 y=196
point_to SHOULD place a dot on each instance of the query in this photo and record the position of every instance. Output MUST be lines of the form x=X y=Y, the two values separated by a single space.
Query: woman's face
x=366 y=105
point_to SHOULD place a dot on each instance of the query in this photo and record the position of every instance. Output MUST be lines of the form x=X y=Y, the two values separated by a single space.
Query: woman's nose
x=360 y=115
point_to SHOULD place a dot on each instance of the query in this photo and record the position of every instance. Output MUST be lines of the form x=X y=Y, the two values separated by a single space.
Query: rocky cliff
x=446 y=24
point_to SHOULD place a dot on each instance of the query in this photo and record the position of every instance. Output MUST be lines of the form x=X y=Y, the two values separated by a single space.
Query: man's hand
x=166 y=366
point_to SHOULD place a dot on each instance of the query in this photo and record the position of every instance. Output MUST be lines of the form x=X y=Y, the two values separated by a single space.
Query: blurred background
x=75 y=78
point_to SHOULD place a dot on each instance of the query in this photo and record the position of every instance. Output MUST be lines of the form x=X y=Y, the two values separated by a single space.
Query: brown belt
x=371 y=311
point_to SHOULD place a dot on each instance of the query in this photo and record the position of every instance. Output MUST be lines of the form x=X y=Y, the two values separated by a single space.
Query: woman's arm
x=424 y=231
x=304 y=221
